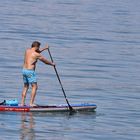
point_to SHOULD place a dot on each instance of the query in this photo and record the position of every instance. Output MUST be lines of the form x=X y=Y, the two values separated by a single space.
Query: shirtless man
x=29 y=76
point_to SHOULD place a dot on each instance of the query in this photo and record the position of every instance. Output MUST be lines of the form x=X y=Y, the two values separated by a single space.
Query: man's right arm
x=44 y=60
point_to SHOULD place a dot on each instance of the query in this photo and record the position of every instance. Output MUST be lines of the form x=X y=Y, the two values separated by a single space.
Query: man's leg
x=25 y=89
x=33 y=93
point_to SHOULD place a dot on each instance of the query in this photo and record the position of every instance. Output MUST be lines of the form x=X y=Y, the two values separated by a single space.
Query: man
x=29 y=76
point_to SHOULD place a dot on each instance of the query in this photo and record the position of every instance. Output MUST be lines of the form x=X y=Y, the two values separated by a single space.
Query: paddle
x=70 y=107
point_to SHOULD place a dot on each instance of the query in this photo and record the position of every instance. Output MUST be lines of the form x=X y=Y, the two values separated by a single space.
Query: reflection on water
x=29 y=123
x=27 y=126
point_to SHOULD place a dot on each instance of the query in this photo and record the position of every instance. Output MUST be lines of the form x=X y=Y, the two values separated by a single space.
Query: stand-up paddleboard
x=49 y=108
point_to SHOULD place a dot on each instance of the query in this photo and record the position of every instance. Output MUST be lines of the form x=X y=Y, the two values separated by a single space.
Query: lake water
x=96 y=47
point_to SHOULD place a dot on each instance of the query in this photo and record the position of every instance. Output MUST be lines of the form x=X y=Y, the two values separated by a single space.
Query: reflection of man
x=29 y=76
x=27 y=127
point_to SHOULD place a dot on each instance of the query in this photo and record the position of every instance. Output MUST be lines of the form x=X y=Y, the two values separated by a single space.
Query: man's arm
x=44 y=60
x=43 y=49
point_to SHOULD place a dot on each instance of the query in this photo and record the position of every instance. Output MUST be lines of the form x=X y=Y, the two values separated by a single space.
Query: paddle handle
x=71 y=109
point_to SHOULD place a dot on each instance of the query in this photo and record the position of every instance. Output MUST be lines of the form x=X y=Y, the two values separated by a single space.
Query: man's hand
x=43 y=49
x=46 y=47
x=53 y=64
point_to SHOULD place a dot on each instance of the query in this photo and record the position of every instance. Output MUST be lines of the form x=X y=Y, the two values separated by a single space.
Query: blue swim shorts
x=29 y=76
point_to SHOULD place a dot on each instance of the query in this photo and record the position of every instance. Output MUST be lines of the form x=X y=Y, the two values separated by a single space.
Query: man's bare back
x=30 y=59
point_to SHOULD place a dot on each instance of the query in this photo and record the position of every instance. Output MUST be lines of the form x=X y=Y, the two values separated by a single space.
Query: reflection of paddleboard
x=49 y=108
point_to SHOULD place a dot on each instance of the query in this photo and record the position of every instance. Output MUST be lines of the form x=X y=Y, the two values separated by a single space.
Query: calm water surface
x=96 y=46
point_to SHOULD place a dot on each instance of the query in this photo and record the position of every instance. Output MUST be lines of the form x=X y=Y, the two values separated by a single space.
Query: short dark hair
x=35 y=44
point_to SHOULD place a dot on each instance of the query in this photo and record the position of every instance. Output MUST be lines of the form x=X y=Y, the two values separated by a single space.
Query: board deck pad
x=49 y=108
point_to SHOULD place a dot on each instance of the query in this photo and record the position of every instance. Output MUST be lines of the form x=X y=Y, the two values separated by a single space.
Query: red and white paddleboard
x=49 y=108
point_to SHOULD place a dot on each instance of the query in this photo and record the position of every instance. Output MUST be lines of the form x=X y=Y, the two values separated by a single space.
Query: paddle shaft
x=70 y=108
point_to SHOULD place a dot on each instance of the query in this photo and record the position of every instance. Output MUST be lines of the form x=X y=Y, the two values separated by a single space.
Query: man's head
x=36 y=45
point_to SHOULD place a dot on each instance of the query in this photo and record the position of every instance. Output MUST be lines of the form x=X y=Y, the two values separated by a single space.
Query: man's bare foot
x=22 y=104
x=33 y=105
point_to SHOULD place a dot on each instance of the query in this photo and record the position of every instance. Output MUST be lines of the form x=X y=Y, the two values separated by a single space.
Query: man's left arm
x=43 y=49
